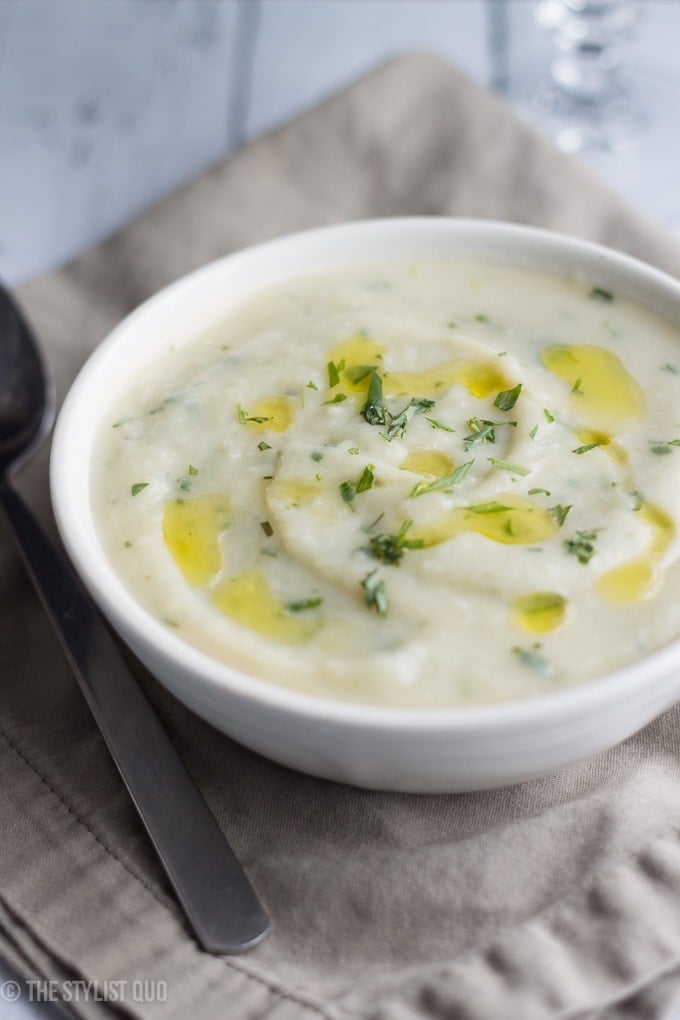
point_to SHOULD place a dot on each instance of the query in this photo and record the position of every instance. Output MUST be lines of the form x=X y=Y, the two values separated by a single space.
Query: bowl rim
x=129 y=616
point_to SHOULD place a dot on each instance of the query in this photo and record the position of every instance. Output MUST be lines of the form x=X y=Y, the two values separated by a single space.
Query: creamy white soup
x=413 y=484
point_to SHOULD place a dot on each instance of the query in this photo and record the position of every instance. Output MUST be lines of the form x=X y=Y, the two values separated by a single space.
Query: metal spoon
x=219 y=902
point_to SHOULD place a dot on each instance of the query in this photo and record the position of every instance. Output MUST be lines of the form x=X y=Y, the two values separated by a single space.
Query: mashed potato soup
x=411 y=484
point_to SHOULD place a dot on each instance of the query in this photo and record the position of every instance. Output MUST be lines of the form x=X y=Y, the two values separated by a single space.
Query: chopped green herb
x=548 y=416
x=481 y=318
x=560 y=512
x=374 y=410
x=337 y=399
x=390 y=548
x=662 y=447
x=374 y=524
x=533 y=431
x=590 y=446
x=532 y=659
x=366 y=480
x=128 y=544
x=506 y=399
x=375 y=592
x=536 y=492
x=398 y=425
x=312 y=385
x=184 y=484
x=353 y=450
x=507 y=465
x=316 y=456
x=600 y=294
x=481 y=431
x=137 y=488
x=263 y=446
x=243 y=417
x=334 y=373
x=581 y=545
x=445 y=482
x=576 y=388
x=193 y=470
x=492 y=507
x=358 y=372
x=301 y=605
x=267 y=528
x=439 y=425
x=638 y=499
x=347 y=491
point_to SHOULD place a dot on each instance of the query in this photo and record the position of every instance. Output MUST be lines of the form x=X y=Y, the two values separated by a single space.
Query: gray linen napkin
x=557 y=898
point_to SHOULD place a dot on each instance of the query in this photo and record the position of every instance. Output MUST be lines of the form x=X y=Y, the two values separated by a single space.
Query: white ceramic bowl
x=425 y=750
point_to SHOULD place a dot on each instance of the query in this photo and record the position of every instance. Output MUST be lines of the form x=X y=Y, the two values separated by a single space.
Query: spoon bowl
x=27 y=395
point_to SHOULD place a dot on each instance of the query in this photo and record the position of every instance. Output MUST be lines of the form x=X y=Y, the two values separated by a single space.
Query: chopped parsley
x=576 y=388
x=376 y=413
x=263 y=446
x=302 y=605
x=662 y=447
x=137 y=488
x=244 y=417
x=581 y=545
x=445 y=482
x=483 y=431
x=548 y=416
x=337 y=399
x=590 y=446
x=600 y=294
x=348 y=490
x=375 y=592
x=536 y=492
x=506 y=399
x=439 y=425
x=398 y=425
x=492 y=507
x=311 y=385
x=533 y=431
x=193 y=470
x=366 y=480
x=374 y=410
x=638 y=499
x=334 y=373
x=559 y=512
x=316 y=456
x=507 y=465
x=390 y=548
x=267 y=528
x=532 y=658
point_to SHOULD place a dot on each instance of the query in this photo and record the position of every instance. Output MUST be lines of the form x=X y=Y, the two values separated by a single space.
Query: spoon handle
x=222 y=908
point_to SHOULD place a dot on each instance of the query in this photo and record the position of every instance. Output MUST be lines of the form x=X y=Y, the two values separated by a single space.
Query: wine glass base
x=579 y=125
x=633 y=143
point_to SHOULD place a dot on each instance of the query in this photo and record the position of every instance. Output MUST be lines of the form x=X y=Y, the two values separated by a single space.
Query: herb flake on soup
x=412 y=484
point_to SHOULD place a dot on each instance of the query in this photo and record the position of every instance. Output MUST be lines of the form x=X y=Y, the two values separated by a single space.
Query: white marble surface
x=108 y=105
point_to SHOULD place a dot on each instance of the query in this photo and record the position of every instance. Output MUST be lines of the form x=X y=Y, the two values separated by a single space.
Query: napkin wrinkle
x=34 y=930
x=492 y=979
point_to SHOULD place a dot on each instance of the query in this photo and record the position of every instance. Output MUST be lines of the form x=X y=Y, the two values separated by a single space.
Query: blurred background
x=109 y=105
